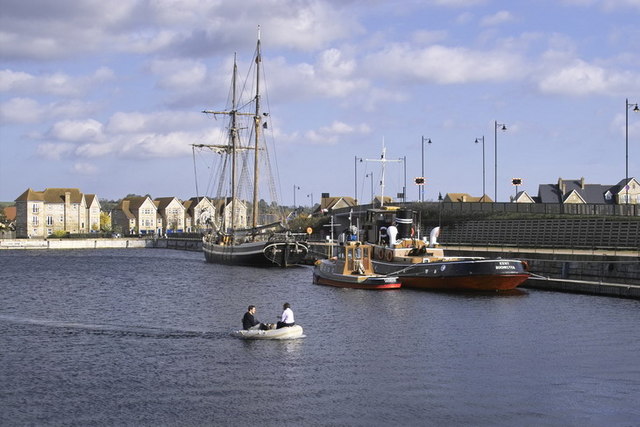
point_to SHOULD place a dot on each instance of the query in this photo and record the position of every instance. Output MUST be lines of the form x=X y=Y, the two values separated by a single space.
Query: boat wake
x=112 y=329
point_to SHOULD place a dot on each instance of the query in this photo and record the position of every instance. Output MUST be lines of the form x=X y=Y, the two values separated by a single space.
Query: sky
x=107 y=96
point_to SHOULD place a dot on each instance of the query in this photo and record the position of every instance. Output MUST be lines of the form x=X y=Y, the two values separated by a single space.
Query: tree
x=105 y=221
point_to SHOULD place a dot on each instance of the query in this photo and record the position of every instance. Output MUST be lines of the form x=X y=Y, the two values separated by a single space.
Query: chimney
x=582 y=182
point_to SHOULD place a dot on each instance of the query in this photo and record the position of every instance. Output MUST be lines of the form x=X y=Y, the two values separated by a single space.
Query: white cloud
x=429 y=37
x=59 y=84
x=77 y=131
x=445 y=65
x=582 y=78
x=28 y=110
x=161 y=121
x=54 y=151
x=607 y=5
x=84 y=168
x=496 y=19
x=20 y=110
x=177 y=74
x=330 y=135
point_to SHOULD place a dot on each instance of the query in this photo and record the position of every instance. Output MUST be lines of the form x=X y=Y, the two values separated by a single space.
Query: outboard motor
x=404 y=222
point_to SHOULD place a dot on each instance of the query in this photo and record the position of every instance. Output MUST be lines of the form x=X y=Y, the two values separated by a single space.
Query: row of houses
x=564 y=191
x=42 y=213
x=68 y=210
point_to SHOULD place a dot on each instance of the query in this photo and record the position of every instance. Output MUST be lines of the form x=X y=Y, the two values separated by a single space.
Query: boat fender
x=388 y=256
x=379 y=253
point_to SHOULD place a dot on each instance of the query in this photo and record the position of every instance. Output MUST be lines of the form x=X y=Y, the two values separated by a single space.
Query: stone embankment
x=115 y=243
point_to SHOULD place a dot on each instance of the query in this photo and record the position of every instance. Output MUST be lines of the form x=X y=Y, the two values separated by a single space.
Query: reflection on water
x=142 y=337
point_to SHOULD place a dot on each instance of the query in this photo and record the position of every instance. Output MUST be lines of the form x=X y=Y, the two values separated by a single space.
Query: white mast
x=383 y=160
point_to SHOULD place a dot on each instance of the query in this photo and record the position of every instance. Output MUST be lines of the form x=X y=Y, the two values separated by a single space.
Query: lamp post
x=370 y=175
x=404 y=186
x=311 y=195
x=503 y=127
x=484 y=191
x=355 y=177
x=295 y=187
x=626 y=145
x=428 y=141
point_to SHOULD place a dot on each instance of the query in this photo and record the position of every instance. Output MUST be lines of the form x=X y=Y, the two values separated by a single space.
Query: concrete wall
x=76 y=243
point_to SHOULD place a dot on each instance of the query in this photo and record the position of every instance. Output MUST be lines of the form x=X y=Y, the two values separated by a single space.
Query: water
x=142 y=337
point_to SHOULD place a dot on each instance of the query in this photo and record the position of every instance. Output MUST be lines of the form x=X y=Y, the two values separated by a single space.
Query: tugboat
x=423 y=264
x=352 y=269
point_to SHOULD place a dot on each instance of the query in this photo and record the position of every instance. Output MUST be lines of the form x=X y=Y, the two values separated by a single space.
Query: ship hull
x=256 y=254
x=326 y=272
x=476 y=274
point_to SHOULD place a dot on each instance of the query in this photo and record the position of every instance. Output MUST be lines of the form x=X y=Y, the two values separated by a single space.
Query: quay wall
x=188 y=244
x=119 y=243
x=622 y=267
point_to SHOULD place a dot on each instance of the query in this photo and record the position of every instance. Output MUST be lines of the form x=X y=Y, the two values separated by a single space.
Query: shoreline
x=541 y=280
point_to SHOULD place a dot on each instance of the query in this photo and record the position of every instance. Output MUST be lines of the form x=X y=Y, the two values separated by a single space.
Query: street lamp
x=370 y=175
x=484 y=191
x=626 y=145
x=502 y=127
x=355 y=177
x=404 y=187
x=295 y=187
x=428 y=141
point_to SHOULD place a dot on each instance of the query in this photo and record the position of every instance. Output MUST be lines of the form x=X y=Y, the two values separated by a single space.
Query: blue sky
x=106 y=96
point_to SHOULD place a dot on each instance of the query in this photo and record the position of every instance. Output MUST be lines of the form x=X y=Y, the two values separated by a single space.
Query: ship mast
x=256 y=124
x=383 y=159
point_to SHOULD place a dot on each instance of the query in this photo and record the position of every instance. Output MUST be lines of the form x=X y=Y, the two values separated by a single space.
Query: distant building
x=578 y=191
x=171 y=215
x=93 y=211
x=466 y=198
x=523 y=197
x=42 y=213
x=224 y=208
x=328 y=204
x=135 y=215
x=199 y=214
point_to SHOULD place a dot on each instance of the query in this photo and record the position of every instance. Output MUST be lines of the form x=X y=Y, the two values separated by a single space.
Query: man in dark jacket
x=250 y=322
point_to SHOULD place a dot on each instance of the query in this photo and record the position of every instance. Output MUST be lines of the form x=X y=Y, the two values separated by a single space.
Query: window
x=36 y=208
x=49 y=220
x=34 y=220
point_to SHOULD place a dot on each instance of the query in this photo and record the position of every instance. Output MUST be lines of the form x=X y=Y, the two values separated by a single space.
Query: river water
x=142 y=337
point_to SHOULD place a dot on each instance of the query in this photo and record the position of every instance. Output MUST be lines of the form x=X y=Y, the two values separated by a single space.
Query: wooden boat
x=233 y=238
x=353 y=269
x=286 y=333
x=422 y=264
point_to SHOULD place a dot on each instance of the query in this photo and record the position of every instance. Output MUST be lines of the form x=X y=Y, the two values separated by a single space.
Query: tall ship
x=241 y=233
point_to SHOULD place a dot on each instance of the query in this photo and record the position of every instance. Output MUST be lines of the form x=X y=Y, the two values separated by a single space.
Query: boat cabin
x=357 y=259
